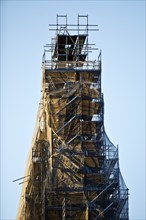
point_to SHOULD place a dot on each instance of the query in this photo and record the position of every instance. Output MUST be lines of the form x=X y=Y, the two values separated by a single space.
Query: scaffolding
x=73 y=168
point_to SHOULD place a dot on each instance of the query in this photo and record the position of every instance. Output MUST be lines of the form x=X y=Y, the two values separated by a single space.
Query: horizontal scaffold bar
x=76 y=25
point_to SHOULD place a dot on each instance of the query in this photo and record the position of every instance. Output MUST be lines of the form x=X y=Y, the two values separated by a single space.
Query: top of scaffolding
x=70 y=50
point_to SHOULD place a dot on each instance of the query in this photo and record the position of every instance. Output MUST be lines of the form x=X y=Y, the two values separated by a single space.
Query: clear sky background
x=121 y=36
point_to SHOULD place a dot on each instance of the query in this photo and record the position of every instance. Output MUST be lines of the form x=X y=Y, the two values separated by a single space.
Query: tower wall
x=73 y=168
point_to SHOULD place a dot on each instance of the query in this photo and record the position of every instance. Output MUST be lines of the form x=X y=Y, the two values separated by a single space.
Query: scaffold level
x=72 y=170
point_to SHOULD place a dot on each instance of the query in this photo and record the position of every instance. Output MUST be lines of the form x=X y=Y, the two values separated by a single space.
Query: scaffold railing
x=93 y=65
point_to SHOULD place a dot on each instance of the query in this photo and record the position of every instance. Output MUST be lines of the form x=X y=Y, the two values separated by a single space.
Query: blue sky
x=121 y=37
